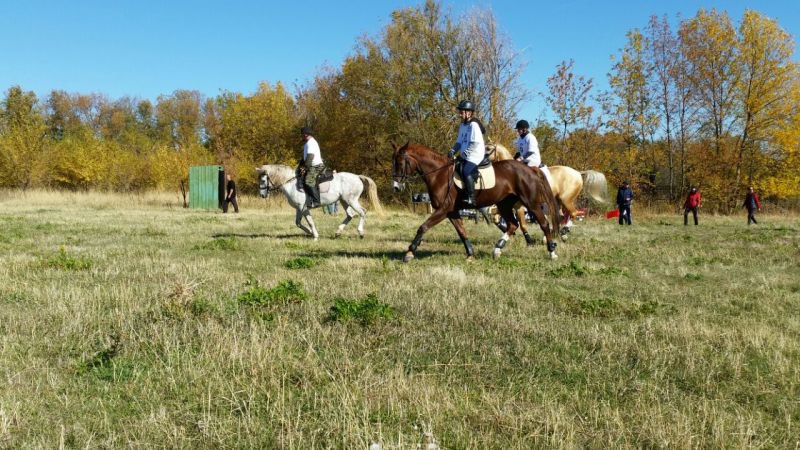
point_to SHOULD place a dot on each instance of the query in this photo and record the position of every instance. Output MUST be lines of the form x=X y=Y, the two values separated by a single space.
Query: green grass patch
x=366 y=311
x=287 y=291
x=65 y=261
x=302 y=262
x=574 y=269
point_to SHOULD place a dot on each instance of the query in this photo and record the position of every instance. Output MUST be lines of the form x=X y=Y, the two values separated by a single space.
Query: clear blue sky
x=147 y=48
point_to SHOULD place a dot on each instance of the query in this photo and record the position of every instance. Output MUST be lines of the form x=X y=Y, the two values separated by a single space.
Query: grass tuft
x=366 y=311
x=302 y=262
x=65 y=261
x=287 y=291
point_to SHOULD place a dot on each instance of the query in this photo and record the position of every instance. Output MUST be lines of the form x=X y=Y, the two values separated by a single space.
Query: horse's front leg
x=310 y=220
x=458 y=224
x=432 y=221
x=298 y=220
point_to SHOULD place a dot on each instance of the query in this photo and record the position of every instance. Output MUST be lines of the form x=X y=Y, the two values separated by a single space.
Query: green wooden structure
x=206 y=187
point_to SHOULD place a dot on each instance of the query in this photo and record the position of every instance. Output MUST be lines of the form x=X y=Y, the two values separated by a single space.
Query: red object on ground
x=612 y=214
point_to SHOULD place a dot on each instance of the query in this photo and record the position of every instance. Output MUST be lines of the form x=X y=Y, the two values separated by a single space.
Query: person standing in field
x=752 y=204
x=624 y=200
x=230 y=195
x=691 y=204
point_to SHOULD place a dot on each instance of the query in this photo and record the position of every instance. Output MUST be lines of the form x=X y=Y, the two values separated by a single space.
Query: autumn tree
x=568 y=97
x=22 y=138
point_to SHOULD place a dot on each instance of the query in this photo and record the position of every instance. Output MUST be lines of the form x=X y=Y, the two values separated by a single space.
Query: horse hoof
x=361 y=236
x=564 y=237
x=470 y=258
x=337 y=235
x=553 y=256
x=409 y=256
x=496 y=253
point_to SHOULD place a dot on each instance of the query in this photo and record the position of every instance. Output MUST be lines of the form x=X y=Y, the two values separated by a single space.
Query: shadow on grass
x=258 y=235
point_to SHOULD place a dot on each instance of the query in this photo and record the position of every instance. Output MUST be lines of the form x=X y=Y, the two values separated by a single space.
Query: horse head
x=402 y=166
x=263 y=182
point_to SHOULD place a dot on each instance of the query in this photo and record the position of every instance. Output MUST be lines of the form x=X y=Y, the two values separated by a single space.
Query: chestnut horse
x=566 y=184
x=514 y=182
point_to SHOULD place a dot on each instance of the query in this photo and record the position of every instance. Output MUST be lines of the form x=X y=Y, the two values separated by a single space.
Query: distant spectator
x=752 y=204
x=691 y=204
x=624 y=200
x=230 y=195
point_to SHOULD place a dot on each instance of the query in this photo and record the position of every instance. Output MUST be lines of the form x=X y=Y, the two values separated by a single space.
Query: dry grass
x=123 y=323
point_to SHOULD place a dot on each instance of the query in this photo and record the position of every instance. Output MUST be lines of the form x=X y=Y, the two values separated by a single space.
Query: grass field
x=129 y=322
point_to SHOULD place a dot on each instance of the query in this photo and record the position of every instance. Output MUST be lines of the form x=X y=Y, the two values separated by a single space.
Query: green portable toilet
x=206 y=187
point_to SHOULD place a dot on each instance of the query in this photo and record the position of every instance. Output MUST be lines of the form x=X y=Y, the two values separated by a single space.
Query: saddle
x=485 y=178
x=323 y=179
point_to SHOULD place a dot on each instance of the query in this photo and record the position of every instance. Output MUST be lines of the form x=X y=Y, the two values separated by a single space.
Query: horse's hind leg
x=356 y=207
x=348 y=216
x=523 y=225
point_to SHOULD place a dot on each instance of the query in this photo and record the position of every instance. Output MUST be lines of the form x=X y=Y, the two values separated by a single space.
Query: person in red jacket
x=752 y=204
x=691 y=204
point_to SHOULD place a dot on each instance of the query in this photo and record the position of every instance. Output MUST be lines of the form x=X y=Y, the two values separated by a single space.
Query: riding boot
x=469 y=191
x=313 y=196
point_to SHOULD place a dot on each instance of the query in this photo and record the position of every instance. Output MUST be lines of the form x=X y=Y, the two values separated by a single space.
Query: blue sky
x=147 y=48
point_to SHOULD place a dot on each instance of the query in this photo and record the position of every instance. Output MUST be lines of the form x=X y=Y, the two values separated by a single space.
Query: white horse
x=345 y=188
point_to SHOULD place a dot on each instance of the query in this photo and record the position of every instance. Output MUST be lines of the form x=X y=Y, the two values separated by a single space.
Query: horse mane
x=500 y=153
x=278 y=173
x=422 y=147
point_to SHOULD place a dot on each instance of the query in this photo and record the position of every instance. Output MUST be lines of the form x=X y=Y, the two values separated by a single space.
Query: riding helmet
x=522 y=124
x=306 y=130
x=465 y=105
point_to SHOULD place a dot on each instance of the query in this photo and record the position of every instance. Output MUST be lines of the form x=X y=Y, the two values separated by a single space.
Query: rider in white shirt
x=470 y=144
x=312 y=160
x=527 y=146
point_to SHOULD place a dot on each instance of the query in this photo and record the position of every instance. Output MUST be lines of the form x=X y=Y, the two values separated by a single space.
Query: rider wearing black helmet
x=470 y=144
x=312 y=161
x=527 y=146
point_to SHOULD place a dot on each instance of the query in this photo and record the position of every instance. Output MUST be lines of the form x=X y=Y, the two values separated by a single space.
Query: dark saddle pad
x=325 y=176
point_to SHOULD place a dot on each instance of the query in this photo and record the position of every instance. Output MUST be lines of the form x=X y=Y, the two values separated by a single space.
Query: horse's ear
x=394 y=146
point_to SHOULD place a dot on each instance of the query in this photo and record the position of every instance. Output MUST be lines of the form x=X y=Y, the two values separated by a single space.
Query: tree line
x=704 y=102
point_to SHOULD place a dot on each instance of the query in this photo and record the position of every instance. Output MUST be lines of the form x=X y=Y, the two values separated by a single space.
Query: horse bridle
x=404 y=176
x=272 y=187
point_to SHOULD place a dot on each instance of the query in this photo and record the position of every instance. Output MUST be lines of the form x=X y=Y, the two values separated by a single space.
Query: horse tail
x=372 y=193
x=596 y=186
x=552 y=205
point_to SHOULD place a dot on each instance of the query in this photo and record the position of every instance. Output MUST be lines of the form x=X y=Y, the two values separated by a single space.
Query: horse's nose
x=396 y=186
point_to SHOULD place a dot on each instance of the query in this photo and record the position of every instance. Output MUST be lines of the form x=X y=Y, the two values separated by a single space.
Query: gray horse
x=345 y=188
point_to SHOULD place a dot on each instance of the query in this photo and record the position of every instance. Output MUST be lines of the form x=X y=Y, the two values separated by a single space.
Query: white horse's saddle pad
x=324 y=187
x=485 y=179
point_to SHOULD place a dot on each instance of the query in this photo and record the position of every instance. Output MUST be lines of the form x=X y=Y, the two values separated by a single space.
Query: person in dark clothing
x=230 y=195
x=691 y=204
x=752 y=204
x=624 y=200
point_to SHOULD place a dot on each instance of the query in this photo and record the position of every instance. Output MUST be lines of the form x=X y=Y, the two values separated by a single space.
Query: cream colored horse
x=566 y=184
